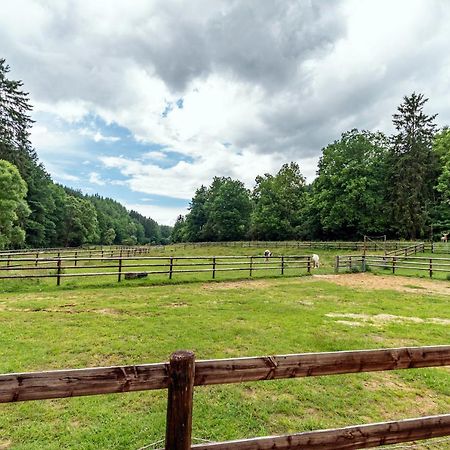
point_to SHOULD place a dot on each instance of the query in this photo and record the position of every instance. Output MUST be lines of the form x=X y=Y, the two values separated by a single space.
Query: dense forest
x=35 y=211
x=367 y=184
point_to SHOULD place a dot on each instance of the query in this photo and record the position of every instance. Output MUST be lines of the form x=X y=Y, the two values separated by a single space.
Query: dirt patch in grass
x=237 y=284
x=382 y=319
x=5 y=445
x=396 y=283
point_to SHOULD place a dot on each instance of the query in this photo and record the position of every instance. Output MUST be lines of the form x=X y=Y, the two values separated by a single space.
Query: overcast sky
x=144 y=101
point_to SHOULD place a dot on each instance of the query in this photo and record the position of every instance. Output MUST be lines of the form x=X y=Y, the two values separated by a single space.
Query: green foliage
x=366 y=184
x=179 y=230
x=80 y=222
x=228 y=210
x=109 y=236
x=218 y=213
x=279 y=201
x=413 y=168
x=197 y=217
x=348 y=192
x=441 y=148
x=13 y=207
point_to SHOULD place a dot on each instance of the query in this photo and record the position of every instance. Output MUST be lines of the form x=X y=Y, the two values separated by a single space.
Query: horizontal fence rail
x=393 y=263
x=325 y=245
x=104 y=380
x=411 y=250
x=142 y=266
x=354 y=437
x=182 y=373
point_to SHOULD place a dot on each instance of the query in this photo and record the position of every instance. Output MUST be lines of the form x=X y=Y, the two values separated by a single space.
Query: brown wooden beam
x=353 y=437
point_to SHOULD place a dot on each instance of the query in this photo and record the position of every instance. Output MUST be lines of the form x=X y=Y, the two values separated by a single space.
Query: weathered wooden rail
x=182 y=373
x=393 y=263
x=323 y=245
x=77 y=252
x=411 y=250
x=63 y=267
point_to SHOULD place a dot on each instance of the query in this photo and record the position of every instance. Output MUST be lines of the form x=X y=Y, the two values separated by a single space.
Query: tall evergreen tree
x=413 y=168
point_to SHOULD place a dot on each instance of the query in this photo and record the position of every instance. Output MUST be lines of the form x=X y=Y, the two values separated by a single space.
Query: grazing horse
x=444 y=237
x=315 y=260
x=267 y=254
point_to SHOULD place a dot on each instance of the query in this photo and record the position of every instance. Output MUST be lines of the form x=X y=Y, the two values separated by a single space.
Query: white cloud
x=95 y=178
x=97 y=136
x=275 y=80
x=164 y=215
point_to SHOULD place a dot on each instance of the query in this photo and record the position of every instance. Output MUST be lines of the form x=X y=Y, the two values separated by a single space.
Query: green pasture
x=327 y=258
x=138 y=322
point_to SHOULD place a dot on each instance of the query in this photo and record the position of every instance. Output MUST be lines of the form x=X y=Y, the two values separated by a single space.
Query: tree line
x=35 y=211
x=367 y=184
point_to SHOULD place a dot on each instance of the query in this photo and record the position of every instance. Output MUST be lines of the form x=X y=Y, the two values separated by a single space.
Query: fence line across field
x=56 y=267
x=393 y=263
x=182 y=373
x=324 y=245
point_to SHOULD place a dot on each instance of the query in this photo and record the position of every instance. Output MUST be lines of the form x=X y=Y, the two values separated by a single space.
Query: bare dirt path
x=397 y=283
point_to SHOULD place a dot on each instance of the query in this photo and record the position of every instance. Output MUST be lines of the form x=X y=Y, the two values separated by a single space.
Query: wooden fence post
x=309 y=264
x=214 y=268
x=336 y=265
x=181 y=371
x=282 y=265
x=37 y=257
x=171 y=268
x=119 y=278
x=58 y=278
x=394 y=260
x=431 y=268
x=363 y=261
x=251 y=265
x=76 y=257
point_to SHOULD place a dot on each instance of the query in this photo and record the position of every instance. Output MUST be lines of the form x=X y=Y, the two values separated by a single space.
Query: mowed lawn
x=133 y=324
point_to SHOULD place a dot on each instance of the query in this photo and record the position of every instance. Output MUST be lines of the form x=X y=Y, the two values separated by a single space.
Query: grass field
x=43 y=327
x=327 y=259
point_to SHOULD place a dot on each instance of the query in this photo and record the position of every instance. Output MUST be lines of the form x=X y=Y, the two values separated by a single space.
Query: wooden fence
x=182 y=373
x=102 y=252
x=411 y=250
x=319 y=245
x=393 y=263
x=140 y=266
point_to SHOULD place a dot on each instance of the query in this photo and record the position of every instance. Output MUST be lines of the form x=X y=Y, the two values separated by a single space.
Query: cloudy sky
x=143 y=101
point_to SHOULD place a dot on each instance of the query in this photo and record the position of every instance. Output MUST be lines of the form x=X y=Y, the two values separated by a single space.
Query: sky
x=143 y=101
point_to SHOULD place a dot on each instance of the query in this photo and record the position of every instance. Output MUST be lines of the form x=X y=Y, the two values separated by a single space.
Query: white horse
x=316 y=261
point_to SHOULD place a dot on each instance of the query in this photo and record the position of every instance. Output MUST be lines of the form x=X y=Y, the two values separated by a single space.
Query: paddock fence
x=182 y=373
x=76 y=252
x=410 y=250
x=318 y=245
x=142 y=266
x=392 y=263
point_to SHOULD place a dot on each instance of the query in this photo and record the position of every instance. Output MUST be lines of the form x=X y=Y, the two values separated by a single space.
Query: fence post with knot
x=181 y=371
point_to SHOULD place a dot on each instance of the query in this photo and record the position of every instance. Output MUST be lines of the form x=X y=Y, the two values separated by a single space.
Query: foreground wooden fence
x=182 y=373
x=140 y=266
x=393 y=263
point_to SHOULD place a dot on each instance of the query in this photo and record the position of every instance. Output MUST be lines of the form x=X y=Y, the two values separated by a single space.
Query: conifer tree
x=413 y=168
